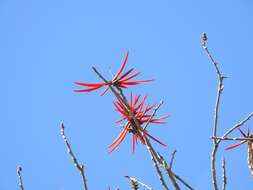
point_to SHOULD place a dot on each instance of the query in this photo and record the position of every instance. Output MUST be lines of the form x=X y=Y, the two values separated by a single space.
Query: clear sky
x=47 y=45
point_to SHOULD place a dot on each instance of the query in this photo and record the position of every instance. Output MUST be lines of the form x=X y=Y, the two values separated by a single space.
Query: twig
x=236 y=126
x=133 y=179
x=172 y=158
x=216 y=111
x=158 y=171
x=169 y=172
x=182 y=181
x=250 y=157
x=224 y=175
x=79 y=166
x=232 y=139
x=20 y=180
x=153 y=114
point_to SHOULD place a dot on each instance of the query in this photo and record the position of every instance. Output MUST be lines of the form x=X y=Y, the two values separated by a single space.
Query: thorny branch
x=217 y=140
x=224 y=174
x=133 y=179
x=20 y=180
x=79 y=166
x=216 y=111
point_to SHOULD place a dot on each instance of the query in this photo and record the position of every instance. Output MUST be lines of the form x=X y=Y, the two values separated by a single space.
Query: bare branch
x=172 y=158
x=169 y=172
x=232 y=139
x=250 y=157
x=78 y=166
x=182 y=181
x=236 y=126
x=158 y=171
x=224 y=175
x=216 y=111
x=133 y=179
x=20 y=180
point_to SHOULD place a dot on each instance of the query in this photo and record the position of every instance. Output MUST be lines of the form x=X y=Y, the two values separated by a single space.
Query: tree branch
x=250 y=158
x=216 y=111
x=20 y=180
x=224 y=175
x=169 y=173
x=78 y=166
x=232 y=139
x=239 y=124
x=133 y=179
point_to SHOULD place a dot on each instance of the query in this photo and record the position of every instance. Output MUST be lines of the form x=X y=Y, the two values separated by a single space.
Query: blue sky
x=47 y=45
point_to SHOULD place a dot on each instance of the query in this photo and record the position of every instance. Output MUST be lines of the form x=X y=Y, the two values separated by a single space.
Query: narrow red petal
x=119 y=109
x=136 y=99
x=103 y=93
x=243 y=133
x=88 y=89
x=235 y=145
x=124 y=75
x=89 y=84
x=116 y=144
x=153 y=138
x=132 y=76
x=141 y=104
x=121 y=119
x=122 y=67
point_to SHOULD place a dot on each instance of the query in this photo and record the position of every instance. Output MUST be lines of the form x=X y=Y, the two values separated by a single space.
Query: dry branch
x=216 y=111
x=20 y=180
x=78 y=166
x=224 y=174
x=133 y=179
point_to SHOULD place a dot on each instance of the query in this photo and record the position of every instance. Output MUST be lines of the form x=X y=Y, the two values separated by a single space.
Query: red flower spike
x=245 y=135
x=119 y=80
x=142 y=116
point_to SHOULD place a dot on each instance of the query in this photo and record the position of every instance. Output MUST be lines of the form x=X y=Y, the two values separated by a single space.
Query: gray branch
x=78 y=166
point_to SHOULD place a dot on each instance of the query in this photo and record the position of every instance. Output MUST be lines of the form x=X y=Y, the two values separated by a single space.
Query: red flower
x=245 y=135
x=119 y=80
x=141 y=115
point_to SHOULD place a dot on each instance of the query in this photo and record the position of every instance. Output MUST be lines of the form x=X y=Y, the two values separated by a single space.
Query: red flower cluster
x=245 y=135
x=141 y=115
x=119 y=80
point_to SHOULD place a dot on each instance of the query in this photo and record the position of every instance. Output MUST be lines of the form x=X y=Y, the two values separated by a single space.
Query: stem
x=78 y=166
x=20 y=180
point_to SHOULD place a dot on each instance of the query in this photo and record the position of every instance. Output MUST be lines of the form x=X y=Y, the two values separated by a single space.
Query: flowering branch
x=20 y=180
x=79 y=166
x=134 y=180
x=119 y=95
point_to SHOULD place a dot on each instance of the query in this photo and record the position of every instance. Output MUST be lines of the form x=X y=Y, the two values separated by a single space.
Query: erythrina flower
x=139 y=115
x=119 y=80
x=245 y=135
